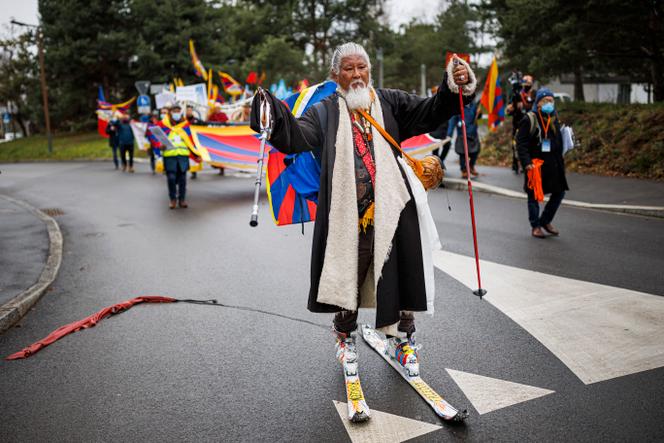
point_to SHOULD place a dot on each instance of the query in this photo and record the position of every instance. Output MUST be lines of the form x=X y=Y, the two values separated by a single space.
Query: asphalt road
x=265 y=371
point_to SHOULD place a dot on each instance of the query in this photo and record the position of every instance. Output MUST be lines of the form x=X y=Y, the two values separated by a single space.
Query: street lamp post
x=423 y=80
x=42 y=78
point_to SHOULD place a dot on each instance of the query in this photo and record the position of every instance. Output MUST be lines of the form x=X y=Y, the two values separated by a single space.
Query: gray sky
x=403 y=11
x=21 y=10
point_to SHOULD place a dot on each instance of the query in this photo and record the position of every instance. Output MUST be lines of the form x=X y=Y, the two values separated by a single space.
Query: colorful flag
x=198 y=65
x=231 y=86
x=233 y=147
x=105 y=111
x=492 y=97
x=303 y=84
x=293 y=180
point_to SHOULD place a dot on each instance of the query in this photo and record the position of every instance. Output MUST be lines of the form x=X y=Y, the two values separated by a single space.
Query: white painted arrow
x=600 y=332
x=489 y=394
x=383 y=427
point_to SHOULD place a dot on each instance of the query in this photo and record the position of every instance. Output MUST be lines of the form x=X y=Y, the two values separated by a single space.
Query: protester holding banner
x=176 y=149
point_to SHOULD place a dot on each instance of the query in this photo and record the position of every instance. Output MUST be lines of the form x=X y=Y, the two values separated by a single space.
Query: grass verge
x=615 y=140
x=87 y=146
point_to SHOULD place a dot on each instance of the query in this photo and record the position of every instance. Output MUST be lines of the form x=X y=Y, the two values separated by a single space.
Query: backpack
x=534 y=127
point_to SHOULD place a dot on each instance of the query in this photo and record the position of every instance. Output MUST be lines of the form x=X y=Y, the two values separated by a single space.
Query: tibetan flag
x=492 y=97
x=105 y=111
x=198 y=65
x=302 y=85
x=420 y=145
x=231 y=86
x=293 y=180
x=232 y=147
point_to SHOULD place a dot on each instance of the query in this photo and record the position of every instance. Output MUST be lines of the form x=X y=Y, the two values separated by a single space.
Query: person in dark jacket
x=358 y=260
x=126 y=143
x=539 y=137
x=112 y=131
x=471 y=114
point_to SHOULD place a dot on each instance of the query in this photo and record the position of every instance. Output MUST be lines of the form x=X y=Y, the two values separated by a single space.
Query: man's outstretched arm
x=290 y=135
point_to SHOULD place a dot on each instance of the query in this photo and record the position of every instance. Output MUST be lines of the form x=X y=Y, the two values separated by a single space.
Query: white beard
x=359 y=97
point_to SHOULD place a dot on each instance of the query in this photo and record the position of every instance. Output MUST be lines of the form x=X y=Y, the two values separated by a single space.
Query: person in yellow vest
x=176 y=156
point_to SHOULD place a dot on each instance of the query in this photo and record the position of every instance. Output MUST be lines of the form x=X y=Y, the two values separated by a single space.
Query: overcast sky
x=399 y=11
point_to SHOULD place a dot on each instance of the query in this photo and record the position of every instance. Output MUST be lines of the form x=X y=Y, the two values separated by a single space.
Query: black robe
x=530 y=147
x=401 y=286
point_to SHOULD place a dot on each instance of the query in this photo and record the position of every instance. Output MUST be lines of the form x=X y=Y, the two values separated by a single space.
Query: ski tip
x=460 y=416
x=360 y=417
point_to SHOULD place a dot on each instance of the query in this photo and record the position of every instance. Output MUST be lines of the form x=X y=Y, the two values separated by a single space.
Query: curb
x=16 y=308
x=458 y=184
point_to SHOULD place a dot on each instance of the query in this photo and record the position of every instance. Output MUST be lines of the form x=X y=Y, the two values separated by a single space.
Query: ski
x=358 y=410
x=441 y=407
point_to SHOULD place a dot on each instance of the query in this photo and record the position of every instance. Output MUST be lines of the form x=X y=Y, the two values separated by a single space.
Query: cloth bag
x=429 y=170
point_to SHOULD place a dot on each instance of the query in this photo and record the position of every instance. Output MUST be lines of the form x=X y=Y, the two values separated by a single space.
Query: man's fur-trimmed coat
x=398 y=261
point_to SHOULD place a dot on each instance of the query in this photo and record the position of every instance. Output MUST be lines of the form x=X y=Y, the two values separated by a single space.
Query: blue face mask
x=548 y=108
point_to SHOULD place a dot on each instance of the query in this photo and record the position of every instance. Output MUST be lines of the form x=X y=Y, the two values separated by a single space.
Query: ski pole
x=266 y=129
x=479 y=291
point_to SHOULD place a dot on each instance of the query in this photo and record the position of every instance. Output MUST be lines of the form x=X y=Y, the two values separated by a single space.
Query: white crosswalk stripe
x=490 y=394
x=383 y=427
x=599 y=332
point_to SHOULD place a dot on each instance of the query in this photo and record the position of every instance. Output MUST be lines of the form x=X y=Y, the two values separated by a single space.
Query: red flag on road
x=95 y=318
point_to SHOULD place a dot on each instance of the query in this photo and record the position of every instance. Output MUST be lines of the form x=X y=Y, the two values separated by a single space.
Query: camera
x=515 y=79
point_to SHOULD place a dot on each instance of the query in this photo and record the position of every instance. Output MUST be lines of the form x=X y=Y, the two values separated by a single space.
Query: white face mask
x=176 y=116
x=162 y=116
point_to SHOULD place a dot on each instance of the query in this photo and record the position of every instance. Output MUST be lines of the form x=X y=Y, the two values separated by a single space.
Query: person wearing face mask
x=126 y=143
x=521 y=102
x=539 y=143
x=176 y=154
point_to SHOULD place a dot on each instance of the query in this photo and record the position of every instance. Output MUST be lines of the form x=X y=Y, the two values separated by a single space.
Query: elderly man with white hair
x=369 y=248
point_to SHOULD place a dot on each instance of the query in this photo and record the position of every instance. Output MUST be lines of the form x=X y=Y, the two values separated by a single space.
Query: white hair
x=347 y=50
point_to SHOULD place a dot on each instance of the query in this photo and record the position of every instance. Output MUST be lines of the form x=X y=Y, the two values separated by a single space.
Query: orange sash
x=535 y=179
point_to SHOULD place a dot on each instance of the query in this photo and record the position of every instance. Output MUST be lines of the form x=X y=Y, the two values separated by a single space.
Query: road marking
x=383 y=427
x=489 y=394
x=600 y=332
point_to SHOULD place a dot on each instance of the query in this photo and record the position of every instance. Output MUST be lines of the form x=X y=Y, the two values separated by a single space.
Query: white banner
x=162 y=99
x=192 y=94
x=138 y=129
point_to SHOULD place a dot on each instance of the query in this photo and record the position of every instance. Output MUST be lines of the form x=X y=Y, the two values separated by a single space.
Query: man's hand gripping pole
x=266 y=130
x=479 y=291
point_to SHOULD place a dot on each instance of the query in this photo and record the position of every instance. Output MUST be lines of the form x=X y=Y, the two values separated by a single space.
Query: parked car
x=562 y=97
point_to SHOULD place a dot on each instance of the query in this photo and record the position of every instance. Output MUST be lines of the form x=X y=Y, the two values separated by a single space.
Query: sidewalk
x=618 y=194
x=31 y=245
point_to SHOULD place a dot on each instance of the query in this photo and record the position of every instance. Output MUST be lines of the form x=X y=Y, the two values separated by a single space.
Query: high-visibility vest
x=177 y=136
